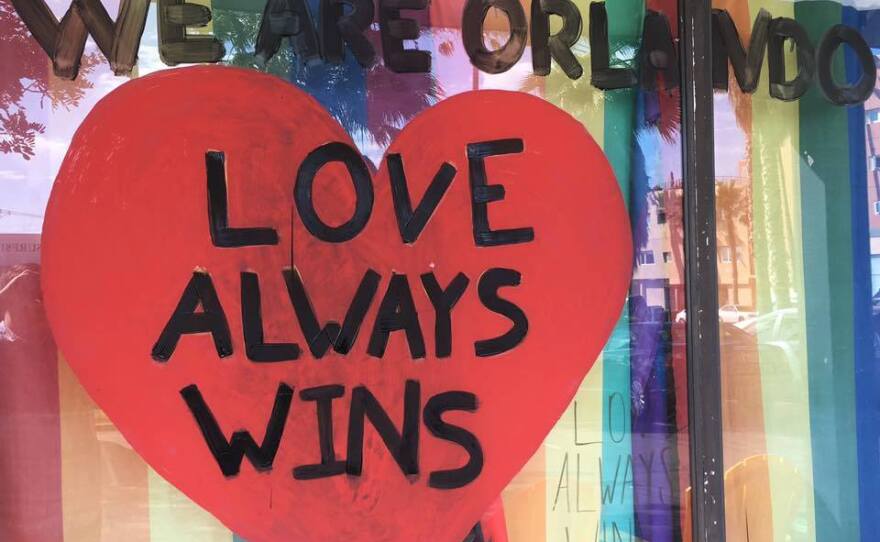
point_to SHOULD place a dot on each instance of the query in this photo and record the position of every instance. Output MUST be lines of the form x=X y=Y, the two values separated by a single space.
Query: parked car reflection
x=729 y=314
x=780 y=325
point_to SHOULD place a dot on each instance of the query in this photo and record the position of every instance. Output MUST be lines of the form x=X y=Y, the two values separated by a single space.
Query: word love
x=397 y=310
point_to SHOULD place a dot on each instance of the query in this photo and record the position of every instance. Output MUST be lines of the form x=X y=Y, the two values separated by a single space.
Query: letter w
x=65 y=41
x=230 y=453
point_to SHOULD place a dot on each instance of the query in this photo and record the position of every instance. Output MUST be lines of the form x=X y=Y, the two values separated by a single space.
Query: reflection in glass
x=794 y=286
x=615 y=466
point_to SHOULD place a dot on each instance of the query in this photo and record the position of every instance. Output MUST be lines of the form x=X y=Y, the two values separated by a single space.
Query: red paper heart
x=127 y=226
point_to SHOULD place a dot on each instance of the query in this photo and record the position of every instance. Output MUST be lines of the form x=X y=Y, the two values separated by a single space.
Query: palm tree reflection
x=371 y=104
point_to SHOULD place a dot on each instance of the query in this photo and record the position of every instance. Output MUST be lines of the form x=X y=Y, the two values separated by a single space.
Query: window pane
x=614 y=467
x=797 y=204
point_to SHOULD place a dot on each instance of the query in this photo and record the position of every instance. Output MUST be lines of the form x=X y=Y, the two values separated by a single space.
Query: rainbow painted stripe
x=802 y=437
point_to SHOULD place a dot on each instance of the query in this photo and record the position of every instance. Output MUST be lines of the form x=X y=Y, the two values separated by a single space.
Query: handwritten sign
x=337 y=29
x=312 y=350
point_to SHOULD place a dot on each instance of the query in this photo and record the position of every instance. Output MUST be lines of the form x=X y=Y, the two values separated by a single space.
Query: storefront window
x=615 y=465
x=794 y=196
x=797 y=209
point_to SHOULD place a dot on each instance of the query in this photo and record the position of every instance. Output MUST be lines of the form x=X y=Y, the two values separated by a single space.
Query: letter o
x=363 y=188
x=845 y=94
x=472 y=34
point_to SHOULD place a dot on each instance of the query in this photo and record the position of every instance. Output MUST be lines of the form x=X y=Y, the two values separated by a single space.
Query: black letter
x=393 y=29
x=845 y=94
x=64 y=42
x=337 y=28
x=363 y=189
x=218 y=216
x=397 y=312
x=289 y=18
x=252 y=325
x=488 y=290
x=329 y=465
x=603 y=76
x=342 y=338
x=403 y=447
x=559 y=45
x=483 y=194
x=184 y=320
x=476 y=534
x=658 y=52
x=434 y=409
x=472 y=34
x=412 y=223
x=175 y=45
x=229 y=453
x=443 y=301
x=782 y=29
x=726 y=44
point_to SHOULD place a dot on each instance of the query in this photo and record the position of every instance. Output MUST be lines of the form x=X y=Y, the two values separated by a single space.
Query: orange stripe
x=741 y=386
x=743 y=412
x=103 y=481
x=525 y=501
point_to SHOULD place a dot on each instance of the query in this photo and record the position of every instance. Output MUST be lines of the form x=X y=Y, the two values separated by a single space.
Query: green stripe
x=828 y=275
x=624 y=32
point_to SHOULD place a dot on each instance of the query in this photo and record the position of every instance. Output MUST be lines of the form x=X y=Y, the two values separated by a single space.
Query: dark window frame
x=701 y=273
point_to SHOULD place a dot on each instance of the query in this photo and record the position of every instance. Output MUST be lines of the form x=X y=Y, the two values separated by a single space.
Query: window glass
x=795 y=199
x=614 y=467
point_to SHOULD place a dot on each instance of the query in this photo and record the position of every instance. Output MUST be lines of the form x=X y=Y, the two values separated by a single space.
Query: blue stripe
x=867 y=361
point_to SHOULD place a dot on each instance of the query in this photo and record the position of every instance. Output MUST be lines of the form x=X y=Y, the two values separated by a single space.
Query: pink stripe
x=30 y=466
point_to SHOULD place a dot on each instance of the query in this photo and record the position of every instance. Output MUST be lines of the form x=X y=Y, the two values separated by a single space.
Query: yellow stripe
x=571 y=466
x=573 y=451
x=780 y=285
x=174 y=517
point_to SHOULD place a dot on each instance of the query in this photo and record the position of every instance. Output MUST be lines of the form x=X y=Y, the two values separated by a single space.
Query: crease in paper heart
x=127 y=226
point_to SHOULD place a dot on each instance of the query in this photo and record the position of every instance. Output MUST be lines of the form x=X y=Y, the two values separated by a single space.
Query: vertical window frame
x=701 y=273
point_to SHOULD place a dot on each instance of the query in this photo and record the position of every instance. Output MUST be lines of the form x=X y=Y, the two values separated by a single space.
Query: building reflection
x=635 y=428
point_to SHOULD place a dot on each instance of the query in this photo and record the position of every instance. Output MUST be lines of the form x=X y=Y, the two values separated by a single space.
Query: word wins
x=403 y=444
